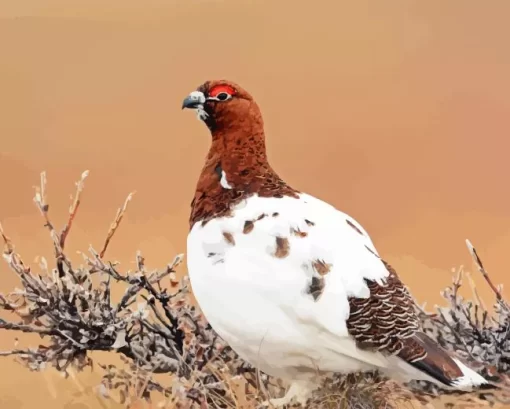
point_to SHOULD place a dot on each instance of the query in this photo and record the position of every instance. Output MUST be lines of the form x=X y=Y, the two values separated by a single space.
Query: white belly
x=257 y=304
x=255 y=323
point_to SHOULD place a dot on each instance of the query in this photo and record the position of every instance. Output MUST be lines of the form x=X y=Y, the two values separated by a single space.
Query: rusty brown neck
x=236 y=167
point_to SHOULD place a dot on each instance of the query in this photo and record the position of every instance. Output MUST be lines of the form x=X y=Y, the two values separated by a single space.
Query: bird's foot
x=298 y=392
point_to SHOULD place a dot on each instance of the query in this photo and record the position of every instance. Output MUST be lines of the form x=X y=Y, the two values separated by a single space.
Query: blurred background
x=395 y=112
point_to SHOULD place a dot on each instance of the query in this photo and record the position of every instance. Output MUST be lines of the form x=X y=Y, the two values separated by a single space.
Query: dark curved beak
x=193 y=100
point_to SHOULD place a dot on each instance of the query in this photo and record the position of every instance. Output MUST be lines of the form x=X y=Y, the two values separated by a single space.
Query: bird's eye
x=221 y=92
x=223 y=96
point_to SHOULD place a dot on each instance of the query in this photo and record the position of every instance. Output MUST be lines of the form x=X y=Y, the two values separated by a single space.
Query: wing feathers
x=426 y=355
x=385 y=319
x=387 y=322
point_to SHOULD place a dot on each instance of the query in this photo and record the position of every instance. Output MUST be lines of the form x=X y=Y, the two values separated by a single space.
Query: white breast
x=251 y=274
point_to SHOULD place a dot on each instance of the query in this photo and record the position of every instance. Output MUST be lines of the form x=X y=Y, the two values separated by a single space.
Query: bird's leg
x=298 y=391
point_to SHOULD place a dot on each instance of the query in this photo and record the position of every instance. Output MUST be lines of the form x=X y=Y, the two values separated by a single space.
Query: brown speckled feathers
x=387 y=322
x=383 y=321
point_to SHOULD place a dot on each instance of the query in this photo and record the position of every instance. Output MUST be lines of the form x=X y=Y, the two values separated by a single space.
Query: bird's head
x=223 y=105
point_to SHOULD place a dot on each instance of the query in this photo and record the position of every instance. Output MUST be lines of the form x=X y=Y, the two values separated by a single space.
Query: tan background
x=396 y=112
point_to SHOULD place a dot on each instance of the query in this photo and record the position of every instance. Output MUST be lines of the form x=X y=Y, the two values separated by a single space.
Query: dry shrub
x=173 y=358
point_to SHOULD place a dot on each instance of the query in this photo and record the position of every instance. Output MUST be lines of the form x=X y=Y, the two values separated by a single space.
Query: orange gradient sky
x=396 y=112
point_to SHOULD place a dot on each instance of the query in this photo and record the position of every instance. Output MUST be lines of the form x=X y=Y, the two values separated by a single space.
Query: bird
x=295 y=286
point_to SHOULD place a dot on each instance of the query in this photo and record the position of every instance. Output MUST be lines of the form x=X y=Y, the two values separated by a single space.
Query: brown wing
x=426 y=355
x=387 y=322
x=384 y=320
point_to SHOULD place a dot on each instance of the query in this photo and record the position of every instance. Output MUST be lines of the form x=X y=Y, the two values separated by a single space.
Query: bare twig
x=8 y=247
x=481 y=269
x=73 y=208
x=115 y=225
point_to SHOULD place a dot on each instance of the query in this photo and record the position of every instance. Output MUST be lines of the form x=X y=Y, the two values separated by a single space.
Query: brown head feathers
x=236 y=166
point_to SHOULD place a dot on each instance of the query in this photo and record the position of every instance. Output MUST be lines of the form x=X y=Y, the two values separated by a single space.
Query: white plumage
x=259 y=303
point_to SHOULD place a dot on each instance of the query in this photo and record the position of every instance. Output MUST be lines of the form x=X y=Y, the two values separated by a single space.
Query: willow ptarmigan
x=295 y=286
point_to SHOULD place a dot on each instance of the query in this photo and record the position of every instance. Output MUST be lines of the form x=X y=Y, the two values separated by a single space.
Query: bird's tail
x=426 y=356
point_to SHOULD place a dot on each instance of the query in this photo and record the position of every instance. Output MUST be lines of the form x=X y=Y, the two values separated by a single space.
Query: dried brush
x=173 y=358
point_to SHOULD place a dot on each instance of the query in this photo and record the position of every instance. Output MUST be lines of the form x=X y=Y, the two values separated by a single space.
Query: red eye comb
x=218 y=89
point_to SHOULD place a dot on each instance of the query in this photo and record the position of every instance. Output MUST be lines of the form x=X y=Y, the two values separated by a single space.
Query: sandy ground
x=395 y=113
